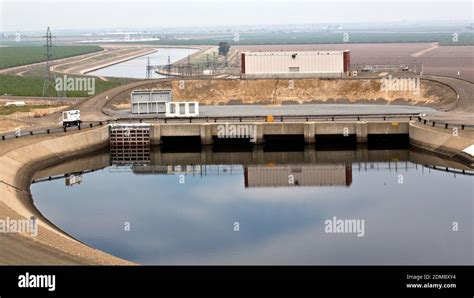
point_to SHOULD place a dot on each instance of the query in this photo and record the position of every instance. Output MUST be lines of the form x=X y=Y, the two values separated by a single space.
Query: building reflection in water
x=258 y=168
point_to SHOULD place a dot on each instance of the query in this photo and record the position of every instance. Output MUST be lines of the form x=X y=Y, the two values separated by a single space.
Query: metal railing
x=21 y=133
x=14 y=187
x=62 y=176
x=443 y=124
x=450 y=170
x=223 y=119
x=275 y=118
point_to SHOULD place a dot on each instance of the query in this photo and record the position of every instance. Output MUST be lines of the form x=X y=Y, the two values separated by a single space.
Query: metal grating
x=130 y=144
x=127 y=155
x=129 y=136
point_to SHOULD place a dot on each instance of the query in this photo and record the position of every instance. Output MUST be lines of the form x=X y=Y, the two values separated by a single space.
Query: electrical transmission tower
x=149 y=69
x=48 y=75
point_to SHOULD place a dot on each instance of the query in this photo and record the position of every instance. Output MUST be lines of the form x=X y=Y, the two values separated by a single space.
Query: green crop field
x=33 y=86
x=16 y=56
x=8 y=110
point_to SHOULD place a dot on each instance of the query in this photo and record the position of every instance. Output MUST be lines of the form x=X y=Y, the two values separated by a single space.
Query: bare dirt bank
x=298 y=91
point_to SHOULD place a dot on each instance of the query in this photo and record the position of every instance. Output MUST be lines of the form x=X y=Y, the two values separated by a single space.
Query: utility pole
x=169 y=65
x=189 y=66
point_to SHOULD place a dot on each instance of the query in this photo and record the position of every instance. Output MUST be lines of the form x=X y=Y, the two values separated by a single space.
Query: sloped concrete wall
x=443 y=142
x=18 y=167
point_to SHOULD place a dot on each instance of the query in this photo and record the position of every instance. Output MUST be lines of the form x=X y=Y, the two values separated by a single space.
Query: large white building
x=295 y=64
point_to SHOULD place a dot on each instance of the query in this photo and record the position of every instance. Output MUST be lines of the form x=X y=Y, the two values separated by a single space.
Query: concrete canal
x=264 y=205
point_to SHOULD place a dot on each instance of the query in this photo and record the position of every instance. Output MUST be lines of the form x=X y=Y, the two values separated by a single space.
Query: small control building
x=150 y=101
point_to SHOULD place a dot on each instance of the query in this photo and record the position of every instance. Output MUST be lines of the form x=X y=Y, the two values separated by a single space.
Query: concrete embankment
x=21 y=159
x=453 y=143
x=17 y=168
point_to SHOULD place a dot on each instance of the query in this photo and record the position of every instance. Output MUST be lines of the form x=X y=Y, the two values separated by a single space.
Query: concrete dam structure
x=441 y=141
x=257 y=132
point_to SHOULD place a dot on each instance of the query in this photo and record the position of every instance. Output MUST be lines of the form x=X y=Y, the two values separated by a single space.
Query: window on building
x=182 y=108
x=172 y=108
x=294 y=69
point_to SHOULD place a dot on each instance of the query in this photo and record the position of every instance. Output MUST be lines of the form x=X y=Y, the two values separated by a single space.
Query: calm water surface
x=136 y=68
x=213 y=208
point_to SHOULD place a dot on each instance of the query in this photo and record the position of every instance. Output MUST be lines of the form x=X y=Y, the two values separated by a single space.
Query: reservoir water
x=261 y=206
x=136 y=68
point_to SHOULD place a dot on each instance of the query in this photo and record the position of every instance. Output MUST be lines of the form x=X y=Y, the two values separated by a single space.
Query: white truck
x=72 y=118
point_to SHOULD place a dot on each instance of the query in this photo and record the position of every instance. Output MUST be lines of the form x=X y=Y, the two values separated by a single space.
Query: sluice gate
x=130 y=143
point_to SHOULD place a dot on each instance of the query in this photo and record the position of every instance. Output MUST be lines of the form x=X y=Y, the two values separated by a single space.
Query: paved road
x=310 y=109
x=298 y=110
x=464 y=110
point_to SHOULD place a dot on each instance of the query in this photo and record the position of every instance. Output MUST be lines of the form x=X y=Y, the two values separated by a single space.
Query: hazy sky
x=87 y=14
